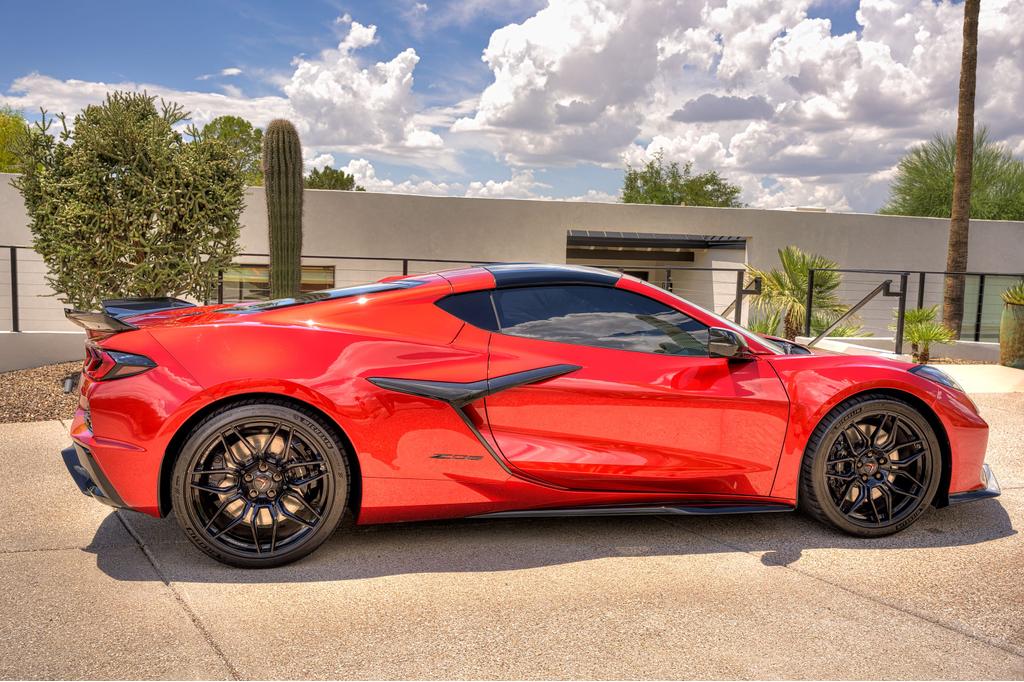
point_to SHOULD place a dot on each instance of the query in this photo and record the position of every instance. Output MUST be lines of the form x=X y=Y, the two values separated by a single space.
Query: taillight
x=103 y=365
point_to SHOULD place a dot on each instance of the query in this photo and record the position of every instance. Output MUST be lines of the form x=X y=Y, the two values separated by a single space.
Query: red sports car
x=497 y=391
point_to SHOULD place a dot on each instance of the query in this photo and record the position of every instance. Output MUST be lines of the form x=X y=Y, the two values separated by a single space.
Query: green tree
x=126 y=205
x=660 y=183
x=12 y=129
x=923 y=185
x=785 y=289
x=245 y=139
x=331 y=178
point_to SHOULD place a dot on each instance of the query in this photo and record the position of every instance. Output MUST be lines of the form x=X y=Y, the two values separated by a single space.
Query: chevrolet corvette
x=497 y=391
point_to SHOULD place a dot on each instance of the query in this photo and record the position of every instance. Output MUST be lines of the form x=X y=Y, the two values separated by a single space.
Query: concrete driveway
x=90 y=593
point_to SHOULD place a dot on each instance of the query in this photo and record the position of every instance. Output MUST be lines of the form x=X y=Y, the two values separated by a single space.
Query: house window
x=244 y=282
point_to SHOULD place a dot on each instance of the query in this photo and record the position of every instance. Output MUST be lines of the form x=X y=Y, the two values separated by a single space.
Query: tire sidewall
x=328 y=446
x=843 y=420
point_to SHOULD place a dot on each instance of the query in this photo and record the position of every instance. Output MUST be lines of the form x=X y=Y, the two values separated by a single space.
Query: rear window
x=474 y=307
x=325 y=295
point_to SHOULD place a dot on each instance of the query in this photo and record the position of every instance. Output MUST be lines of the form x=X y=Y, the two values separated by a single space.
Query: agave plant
x=1015 y=294
x=785 y=289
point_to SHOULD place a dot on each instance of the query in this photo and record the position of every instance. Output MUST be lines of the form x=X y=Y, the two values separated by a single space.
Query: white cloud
x=317 y=161
x=338 y=103
x=35 y=90
x=366 y=176
x=519 y=186
x=609 y=81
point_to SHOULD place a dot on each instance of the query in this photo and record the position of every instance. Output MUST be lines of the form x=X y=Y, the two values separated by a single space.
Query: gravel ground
x=29 y=395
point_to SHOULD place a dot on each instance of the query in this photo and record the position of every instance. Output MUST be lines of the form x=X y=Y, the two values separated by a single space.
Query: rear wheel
x=872 y=467
x=260 y=484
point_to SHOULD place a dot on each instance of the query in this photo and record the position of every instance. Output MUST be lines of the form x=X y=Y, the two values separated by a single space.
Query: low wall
x=34 y=349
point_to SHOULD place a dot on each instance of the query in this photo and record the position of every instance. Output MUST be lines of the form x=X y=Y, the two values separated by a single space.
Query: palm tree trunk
x=924 y=355
x=959 y=224
x=791 y=326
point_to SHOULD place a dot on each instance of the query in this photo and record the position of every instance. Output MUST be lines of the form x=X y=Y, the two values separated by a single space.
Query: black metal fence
x=864 y=293
x=30 y=305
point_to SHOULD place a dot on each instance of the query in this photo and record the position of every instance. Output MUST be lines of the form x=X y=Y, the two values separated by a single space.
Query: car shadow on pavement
x=355 y=552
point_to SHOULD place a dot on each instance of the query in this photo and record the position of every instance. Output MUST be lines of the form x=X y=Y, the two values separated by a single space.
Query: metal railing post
x=220 y=286
x=15 y=322
x=901 y=312
x=809 y=303
x=981 y=303
x=920 y=291
x=739 y=296
x=405 y=266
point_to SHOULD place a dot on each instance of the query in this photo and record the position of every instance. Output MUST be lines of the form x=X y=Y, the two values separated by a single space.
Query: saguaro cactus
x=282 y=183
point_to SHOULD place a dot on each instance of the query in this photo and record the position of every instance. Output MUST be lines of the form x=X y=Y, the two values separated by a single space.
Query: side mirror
x=725 y=343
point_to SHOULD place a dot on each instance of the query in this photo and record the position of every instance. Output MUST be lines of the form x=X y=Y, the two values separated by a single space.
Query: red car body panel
x=625 y=428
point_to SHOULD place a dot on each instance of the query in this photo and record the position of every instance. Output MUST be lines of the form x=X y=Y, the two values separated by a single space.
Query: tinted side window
x=599 y=316
x=473 y=307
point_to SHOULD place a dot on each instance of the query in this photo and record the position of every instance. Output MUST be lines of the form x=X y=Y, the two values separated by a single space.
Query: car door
x=647 y=410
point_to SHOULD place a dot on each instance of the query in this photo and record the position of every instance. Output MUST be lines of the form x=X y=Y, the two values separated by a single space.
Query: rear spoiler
x=111 y=320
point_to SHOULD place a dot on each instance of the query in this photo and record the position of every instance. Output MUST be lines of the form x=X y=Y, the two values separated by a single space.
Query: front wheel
x=260 y=484
x=871 y=468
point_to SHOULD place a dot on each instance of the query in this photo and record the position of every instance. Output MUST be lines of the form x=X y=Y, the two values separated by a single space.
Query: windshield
x=771 y=345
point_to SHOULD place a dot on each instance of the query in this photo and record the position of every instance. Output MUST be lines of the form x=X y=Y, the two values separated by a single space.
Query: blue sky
x=569 y=93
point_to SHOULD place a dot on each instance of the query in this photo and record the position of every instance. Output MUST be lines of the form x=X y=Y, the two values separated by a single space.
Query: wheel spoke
x=273 y=527
x=886 y=492
x=908 y=459
x=863 y=435
x=245 y=442
x=228 y=452
x=220 y=510
x=309 y=479
x=266 y=446
x=843 y=477
x=234 y=522
x=901 y=472
x=212 y=488
x=293 y=517
x=210 y=472
x=296 y=465
x=849 y=443
x=874 y=508
x=881 y=428
x=254 y=525
x=297 y=496
x=857 y=501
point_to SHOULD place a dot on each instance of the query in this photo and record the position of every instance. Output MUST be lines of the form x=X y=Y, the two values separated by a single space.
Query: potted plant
x=1011 y=327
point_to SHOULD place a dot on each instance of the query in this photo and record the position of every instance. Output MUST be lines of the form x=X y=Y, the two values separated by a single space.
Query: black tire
x=260 y=483
x=871 y=467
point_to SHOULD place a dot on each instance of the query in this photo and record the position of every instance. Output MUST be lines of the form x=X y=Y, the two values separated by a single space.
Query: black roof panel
x=527 y=274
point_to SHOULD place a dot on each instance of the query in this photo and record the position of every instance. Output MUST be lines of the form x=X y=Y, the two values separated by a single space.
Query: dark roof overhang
x=652 y=240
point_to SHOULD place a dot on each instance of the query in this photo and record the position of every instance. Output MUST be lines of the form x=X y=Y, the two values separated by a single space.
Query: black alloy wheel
x=872 y=466
x=260 y=484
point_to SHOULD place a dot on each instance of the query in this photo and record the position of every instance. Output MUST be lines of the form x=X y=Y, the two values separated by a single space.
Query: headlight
x=936 y=375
